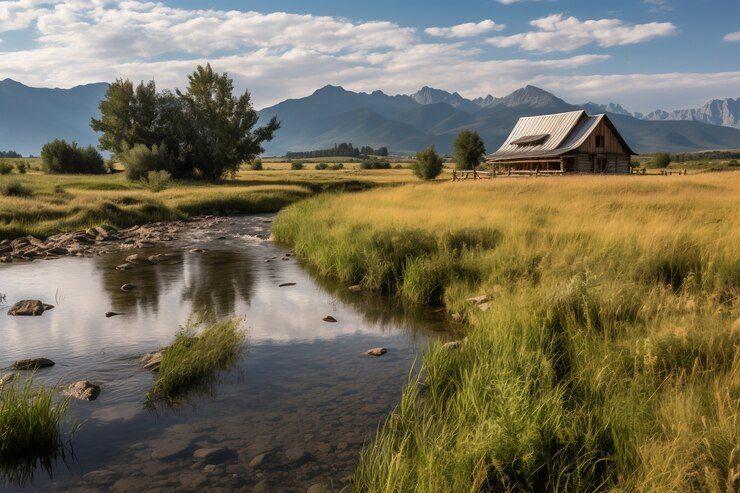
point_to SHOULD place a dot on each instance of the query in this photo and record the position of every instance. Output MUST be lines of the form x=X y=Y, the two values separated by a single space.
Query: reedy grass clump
x=31 y=420
x=195 y=356
x=608 y=359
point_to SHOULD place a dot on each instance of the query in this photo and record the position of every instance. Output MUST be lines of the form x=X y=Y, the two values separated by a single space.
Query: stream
x=294 y=411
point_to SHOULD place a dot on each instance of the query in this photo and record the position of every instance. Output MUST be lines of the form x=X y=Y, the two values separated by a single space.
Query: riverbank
x=44 y=205
x=602 y=347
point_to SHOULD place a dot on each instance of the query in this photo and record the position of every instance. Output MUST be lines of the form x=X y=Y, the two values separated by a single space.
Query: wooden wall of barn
x=611 y=141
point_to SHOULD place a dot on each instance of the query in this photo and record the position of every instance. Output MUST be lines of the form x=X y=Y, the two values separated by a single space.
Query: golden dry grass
x=608 y=358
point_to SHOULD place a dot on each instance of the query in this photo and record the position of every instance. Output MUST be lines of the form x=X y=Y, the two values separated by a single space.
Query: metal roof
x=558 y=126
x=530 y=140
x=568 y=131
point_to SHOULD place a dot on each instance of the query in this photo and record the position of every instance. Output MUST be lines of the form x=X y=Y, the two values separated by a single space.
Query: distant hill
x=432 y=116
x=32 y=116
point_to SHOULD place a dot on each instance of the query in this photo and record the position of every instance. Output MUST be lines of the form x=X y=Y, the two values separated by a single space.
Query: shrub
x=140 y=160
x=296 y=166
x=372 y=164
x=256 y=165
x=662 y=160
x=156 y=181
x=21 y=167
x=337 y=166
x=734 y=163
x=14 y=188
x=428 y=164
x=321 y=166
x=5 y=168
x=59 y=156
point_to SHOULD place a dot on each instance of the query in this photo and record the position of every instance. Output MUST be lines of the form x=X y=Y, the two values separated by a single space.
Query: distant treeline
x=9 y=154
x=699 y=156
x=344 y=149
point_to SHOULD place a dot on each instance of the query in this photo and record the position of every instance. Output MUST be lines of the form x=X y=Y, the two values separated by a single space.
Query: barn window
x=599 y=141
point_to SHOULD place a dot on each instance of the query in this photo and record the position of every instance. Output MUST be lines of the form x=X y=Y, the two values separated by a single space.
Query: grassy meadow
x=607 y=357
x=42 y=204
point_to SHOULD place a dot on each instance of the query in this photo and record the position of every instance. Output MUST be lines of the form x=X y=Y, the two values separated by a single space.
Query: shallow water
x=303 y=392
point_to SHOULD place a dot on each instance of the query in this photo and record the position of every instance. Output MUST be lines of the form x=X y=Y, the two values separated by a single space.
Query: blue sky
x=644 y=54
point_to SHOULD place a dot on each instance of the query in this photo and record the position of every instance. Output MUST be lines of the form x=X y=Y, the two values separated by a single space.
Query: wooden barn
x=571 y=142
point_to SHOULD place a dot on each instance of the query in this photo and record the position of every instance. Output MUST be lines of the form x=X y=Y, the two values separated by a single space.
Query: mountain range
x=725 y=112
x=29 y=117
x=407 y=123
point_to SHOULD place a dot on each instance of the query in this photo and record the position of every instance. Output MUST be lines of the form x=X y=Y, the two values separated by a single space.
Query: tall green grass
x=31 y=435
x=608 y=358
x=195 y=356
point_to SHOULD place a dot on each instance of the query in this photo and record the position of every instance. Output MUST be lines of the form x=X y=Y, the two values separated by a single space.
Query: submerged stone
x=170 y=448
x=151 y=361
x=128 y=287
x=32 y=364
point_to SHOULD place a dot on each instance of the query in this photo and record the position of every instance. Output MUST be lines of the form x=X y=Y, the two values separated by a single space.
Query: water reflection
x=302 y=383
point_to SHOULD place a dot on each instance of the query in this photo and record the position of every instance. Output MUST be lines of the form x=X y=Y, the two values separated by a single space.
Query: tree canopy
x=206 y=130
x=469 y=150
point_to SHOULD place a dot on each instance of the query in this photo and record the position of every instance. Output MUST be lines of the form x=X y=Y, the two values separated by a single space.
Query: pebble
x=215 y=455
x=111 y=314
x=355 y=288
x=329 y=318
x=378 y=351
x=452 y=345
x=170 y=448
x=128 y=287
x=286 y=284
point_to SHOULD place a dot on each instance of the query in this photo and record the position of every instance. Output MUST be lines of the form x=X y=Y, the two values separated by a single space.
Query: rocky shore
x=99 y=240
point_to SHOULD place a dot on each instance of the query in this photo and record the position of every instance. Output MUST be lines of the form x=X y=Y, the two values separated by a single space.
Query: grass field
x=608 y=356
x=46 y=204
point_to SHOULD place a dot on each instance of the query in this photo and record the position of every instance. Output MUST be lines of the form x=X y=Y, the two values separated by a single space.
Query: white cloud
x=732 y=37
x=559 y=33
x=466 y=30
x=659 y=5
x=276 y=55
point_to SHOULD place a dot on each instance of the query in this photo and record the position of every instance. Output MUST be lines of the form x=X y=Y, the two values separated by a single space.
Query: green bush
x=140 y=160
x=59 y=156
x=14 y=188
x=734 y=163
x=321 y=166
x=372 y=164
x=337 y=166
x=5 y=168
x=156 y=181
x=428 y=164
x=296 y=166
x=256 y=165
x=21 y=167
x=662 y=160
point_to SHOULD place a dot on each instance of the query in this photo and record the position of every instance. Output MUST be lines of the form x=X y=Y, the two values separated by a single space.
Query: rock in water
x=452 y=345
x=216 y=455
x=377 y=351
x=286 y=284
x=198 y=250
x=128 y=287
x=32 y=364
x=137 y=257
x=111 y=314
x=83 y=390
x=170 y=448
x=125 y=266
x=297 y=456
x=29 y=308
x=329 y=318
x=355 y=288
x=151 y=361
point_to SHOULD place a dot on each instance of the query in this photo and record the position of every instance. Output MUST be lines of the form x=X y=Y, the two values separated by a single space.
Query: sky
x=644 y=54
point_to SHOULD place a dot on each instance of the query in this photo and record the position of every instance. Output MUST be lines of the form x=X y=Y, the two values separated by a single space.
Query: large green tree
x=206 y=130
x=469 y=150
x=222 y=133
